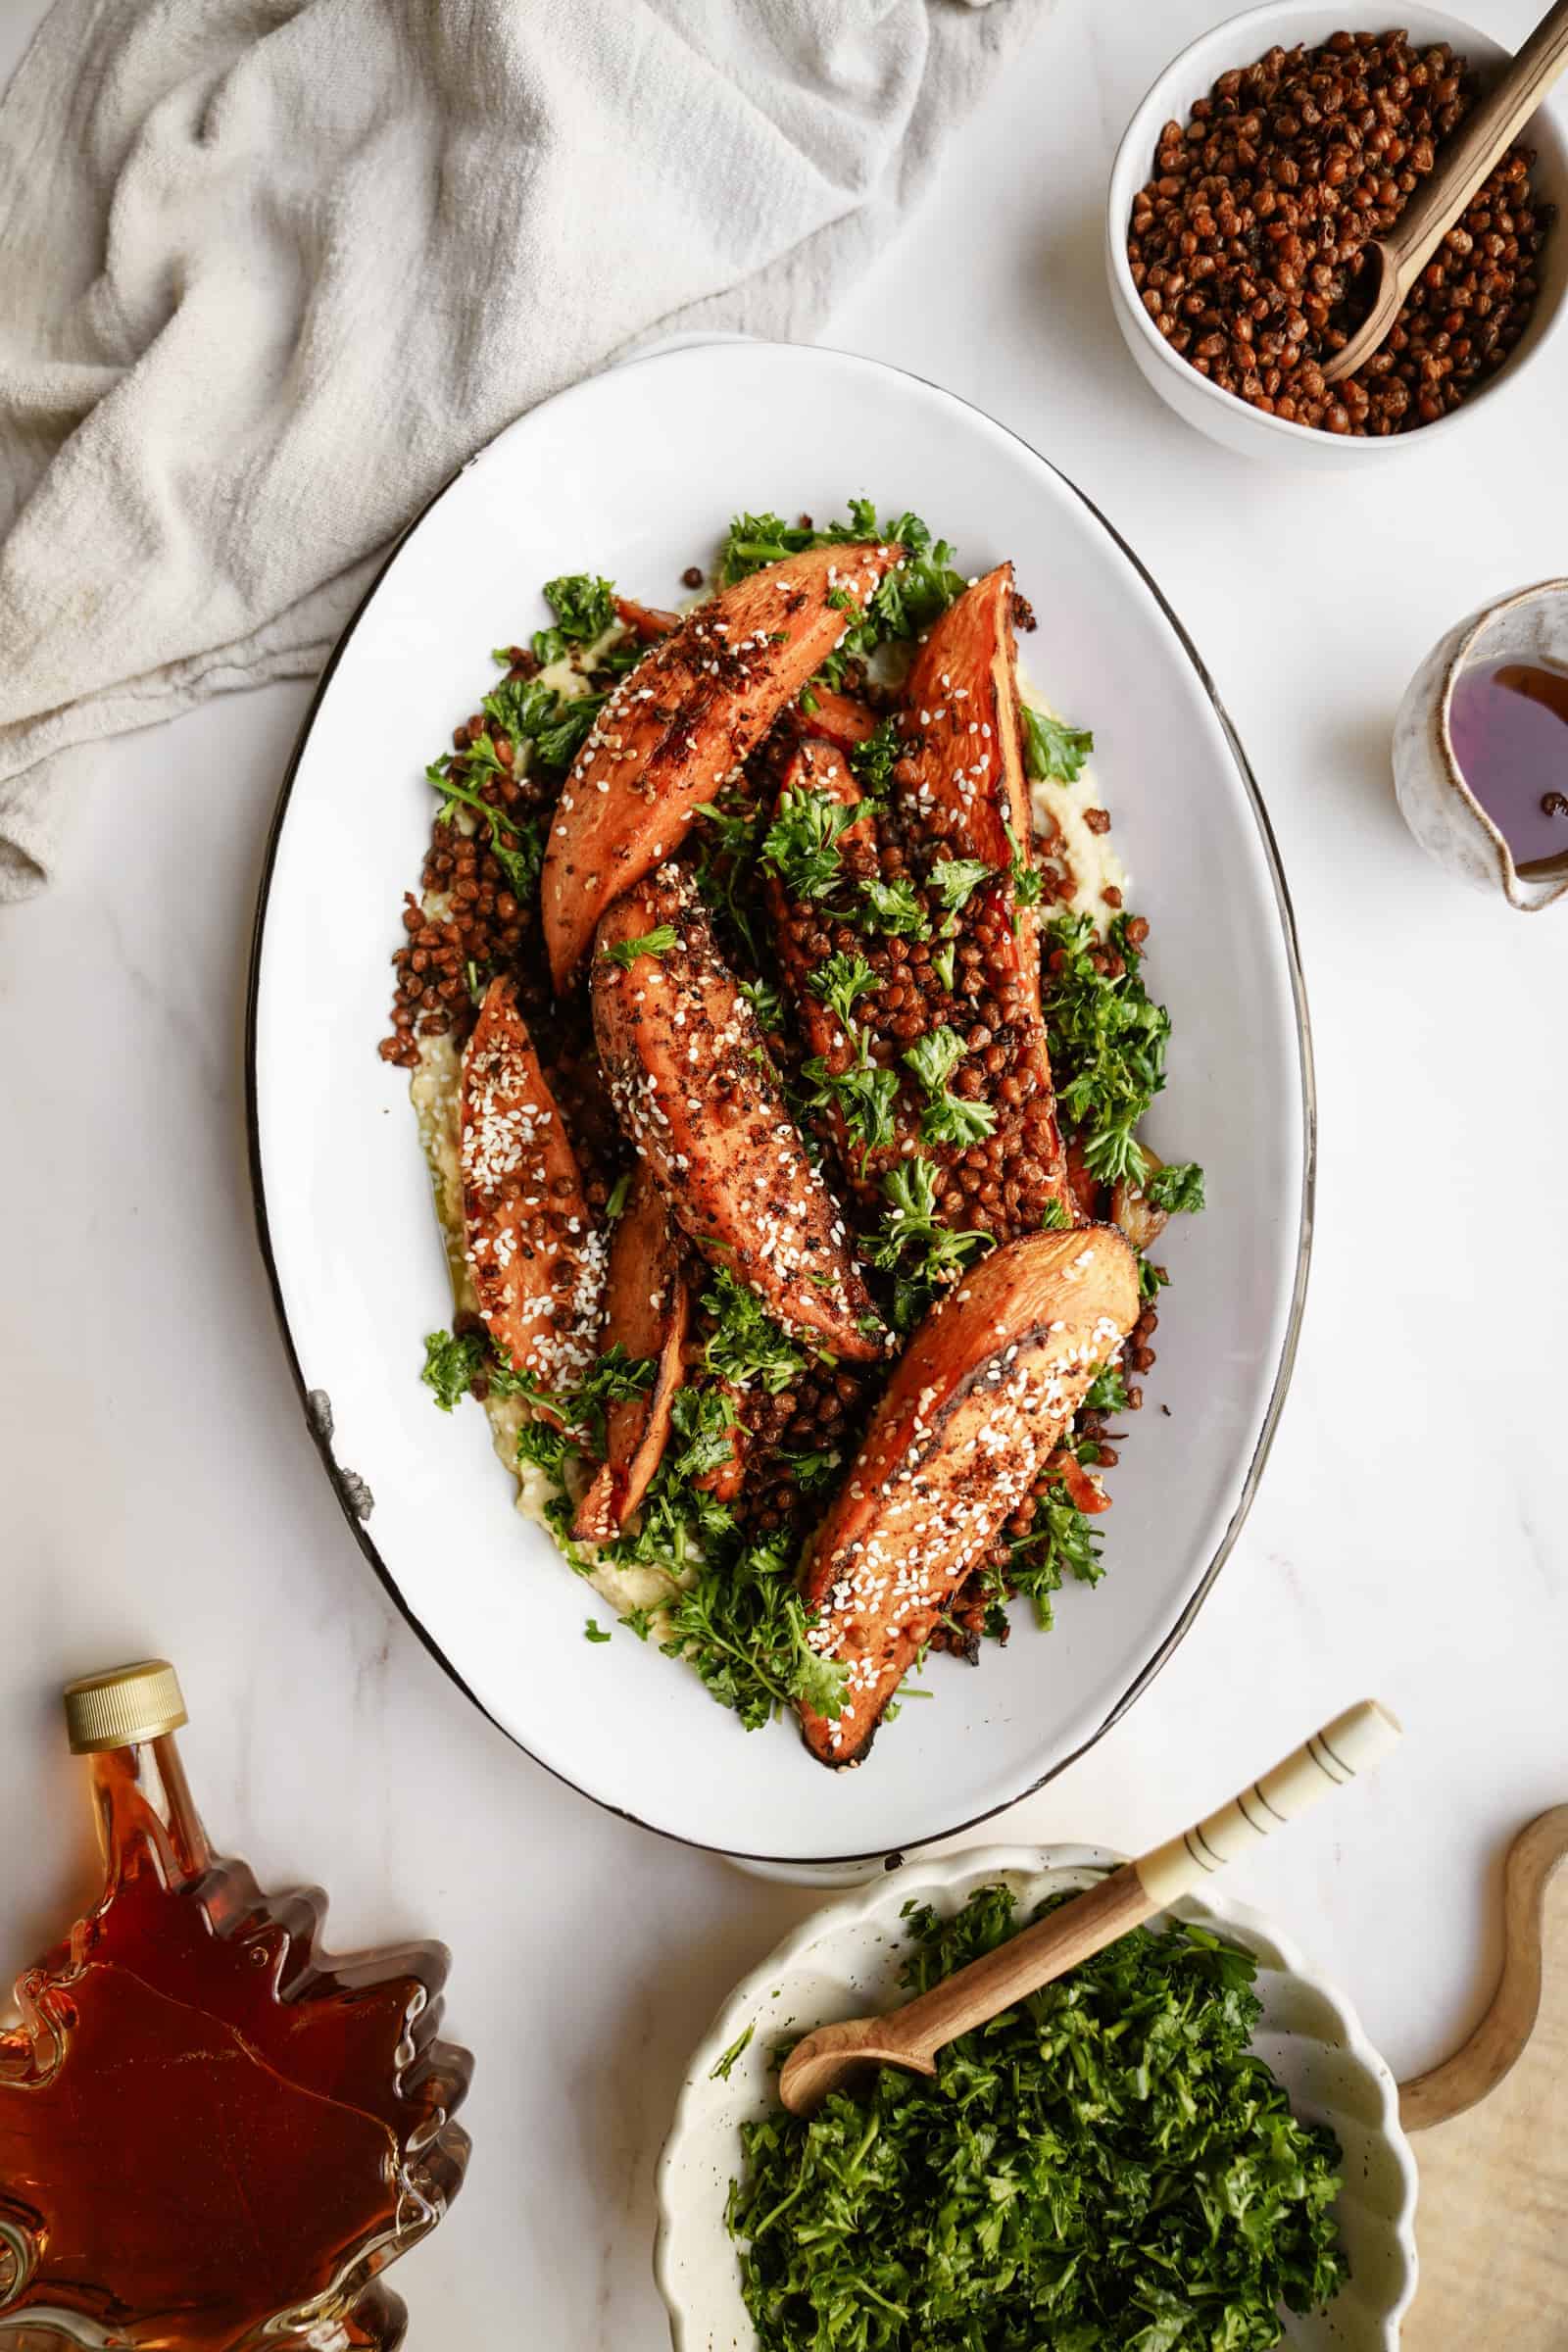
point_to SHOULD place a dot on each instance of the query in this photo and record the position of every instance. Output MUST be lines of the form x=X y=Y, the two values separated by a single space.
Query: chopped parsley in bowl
x=1106 y=2165
x=1188 y=2142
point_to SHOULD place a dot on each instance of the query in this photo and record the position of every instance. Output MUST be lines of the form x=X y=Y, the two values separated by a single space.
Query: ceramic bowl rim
x=1513 y=883
x=1137 y=140
x=940 y=1872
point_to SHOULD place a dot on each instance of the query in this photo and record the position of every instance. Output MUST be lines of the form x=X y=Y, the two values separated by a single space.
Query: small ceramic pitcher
x=1436 y=802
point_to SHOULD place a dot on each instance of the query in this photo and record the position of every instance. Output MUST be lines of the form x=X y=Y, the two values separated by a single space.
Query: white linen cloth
x=272 y=269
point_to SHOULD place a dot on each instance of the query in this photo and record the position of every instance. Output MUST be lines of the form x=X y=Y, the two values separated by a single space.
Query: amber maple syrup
x=212 y=2137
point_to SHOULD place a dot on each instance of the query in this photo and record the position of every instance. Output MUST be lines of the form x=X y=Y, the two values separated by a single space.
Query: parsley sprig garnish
x=924 y=1256
x=863 y=1094
x=746 y=1347
x=894 y=908
x=1177 y=1186
x=1052 y=750
x=841 y=981
x=656 y=942
x=1108 y=1041
x=801 y=843
x=947 y=1118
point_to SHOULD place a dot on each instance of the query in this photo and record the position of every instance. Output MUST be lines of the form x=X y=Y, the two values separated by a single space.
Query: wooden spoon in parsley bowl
x=827 y=2060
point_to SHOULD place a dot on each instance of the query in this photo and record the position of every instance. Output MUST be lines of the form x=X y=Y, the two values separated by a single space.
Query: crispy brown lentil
x=1246 y=245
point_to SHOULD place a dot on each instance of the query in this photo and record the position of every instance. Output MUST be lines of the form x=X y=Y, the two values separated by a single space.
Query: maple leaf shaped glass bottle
x=213 y=2136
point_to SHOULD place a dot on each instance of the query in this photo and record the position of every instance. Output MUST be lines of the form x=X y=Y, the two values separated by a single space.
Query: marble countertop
x=160 y=1493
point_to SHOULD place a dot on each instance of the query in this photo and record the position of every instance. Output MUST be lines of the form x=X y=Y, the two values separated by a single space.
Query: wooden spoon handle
x=1331 y=1757
x=1350 y=1744
x=1479 y=2065
x=1486 y=134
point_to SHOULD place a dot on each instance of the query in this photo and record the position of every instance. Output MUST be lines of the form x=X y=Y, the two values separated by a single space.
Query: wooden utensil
x=911 y=2035
x=1492 y=2211
x=1485 y=134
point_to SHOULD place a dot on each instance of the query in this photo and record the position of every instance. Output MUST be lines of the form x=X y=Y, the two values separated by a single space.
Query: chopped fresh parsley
x=1053 y=751
x=810 y=1471
x=1107 y=1042
x=1178 y=1186
x=954 y=880
x=451 y=1363
x=1053 y=1217
x=864 y=1095
x=935 y=1057
x=841 y=983
x=658 y=941
x=701 y=1420
x=743 y=1626
x=873 y=760
x=529 y=710
x=546 y=1447
x=951 y=1119
x=766 y=1003
x=923 y=1254
x=801 y=843
x=746 y=1344
x=942 y=965
x=1108 y=1391
x=1108 y=2164
x=726 y=854
x=581 y=1408
x=894 y=908
x=1028 y=882
x=593 y=1631
x=1062 y=1541
x=584 y=608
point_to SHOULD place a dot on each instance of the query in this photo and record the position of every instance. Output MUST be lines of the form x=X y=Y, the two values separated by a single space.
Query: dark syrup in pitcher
x=1508 y=724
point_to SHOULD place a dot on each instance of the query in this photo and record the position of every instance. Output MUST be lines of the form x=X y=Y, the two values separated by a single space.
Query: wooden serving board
x=1492 y=2144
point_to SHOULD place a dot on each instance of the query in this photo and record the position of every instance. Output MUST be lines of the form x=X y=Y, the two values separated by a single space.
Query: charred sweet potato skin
x=697 y=1096
x=985 y=1389
x=535 y=1256
x=676 y=730
x=648 y=1312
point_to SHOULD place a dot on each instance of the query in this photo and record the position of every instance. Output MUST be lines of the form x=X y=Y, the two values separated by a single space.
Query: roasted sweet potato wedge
x=698 y=1094
x=676 y=729
x=647 y=1312
x=984 y=1391
x=530 y=1237
x=838 y=718
x=962 y=784
x=647 y=622
x=962 y=707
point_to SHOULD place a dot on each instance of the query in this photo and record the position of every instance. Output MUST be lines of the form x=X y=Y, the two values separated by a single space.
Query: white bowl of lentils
x=1232 y=233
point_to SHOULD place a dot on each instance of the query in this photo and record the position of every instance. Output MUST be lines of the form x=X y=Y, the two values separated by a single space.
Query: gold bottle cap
x=124 y=1705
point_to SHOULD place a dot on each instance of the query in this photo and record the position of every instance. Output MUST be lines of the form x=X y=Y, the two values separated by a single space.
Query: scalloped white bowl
x=843 y=1962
